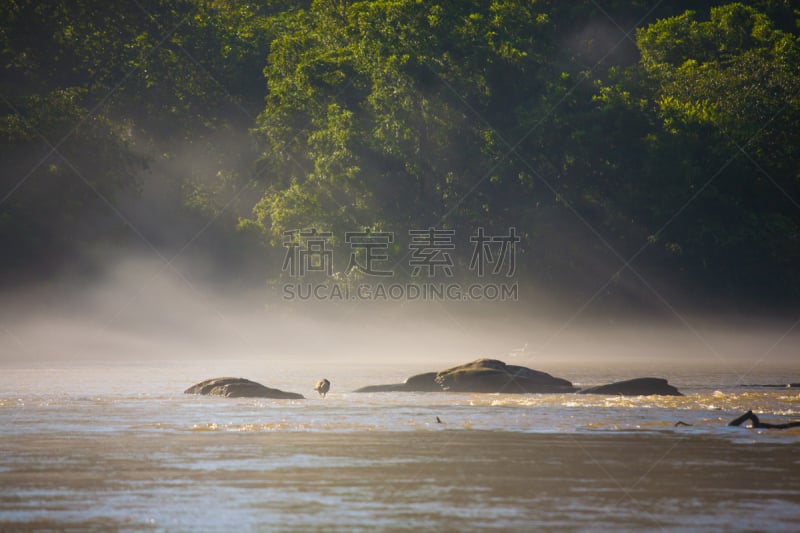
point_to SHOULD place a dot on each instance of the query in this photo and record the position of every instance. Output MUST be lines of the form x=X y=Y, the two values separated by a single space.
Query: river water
x=116 y=448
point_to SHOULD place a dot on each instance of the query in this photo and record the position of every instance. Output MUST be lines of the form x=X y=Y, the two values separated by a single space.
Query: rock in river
x=635 y=387
x=420 y=383
x=491 y=375
x=481 y=375
x=240 y=388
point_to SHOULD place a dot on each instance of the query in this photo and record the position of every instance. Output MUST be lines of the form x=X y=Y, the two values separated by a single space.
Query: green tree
x=113 y=87
x=718 y=180
x=384 y=114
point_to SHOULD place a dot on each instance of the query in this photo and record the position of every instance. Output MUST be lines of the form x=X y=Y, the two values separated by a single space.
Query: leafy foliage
x=93 y=93
x=676 y=149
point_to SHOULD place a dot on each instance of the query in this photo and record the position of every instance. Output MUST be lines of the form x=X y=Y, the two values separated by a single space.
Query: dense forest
x=628 y=143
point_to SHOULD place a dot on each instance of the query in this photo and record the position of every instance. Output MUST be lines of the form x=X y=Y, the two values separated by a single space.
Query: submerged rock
x=635 y=387
x=240 y=388
x=481 y=375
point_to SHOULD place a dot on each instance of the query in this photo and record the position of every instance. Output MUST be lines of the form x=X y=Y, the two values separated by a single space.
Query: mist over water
x=141 y=312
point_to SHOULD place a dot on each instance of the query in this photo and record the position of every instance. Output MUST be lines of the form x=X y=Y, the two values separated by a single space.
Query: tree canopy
x=619 y=139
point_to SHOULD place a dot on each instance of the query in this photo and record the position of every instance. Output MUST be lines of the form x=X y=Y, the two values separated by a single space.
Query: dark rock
x=635 y=387
x=491 y=375
x=240 y=388
x=391 y=387
x=419 y=383
x=423 y=383
x=482 y=375
x=774 y=385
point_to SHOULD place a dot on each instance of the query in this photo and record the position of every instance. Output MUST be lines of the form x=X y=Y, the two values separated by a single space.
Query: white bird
x=322 y=387
x=518 y=351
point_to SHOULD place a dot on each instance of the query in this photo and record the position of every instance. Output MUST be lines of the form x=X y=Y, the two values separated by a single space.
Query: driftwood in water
x=759 y=424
